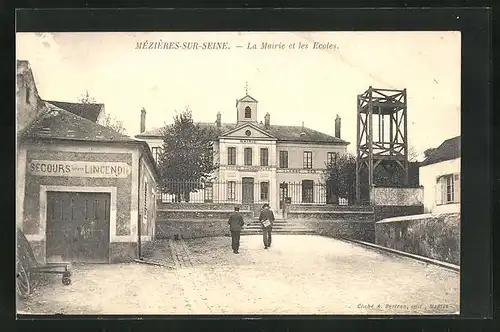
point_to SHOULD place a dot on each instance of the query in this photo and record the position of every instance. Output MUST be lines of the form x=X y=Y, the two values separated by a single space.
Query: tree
x=86 y=98
x=340 y=177
x=112 y=123
x=186 y=160
x=412 y=154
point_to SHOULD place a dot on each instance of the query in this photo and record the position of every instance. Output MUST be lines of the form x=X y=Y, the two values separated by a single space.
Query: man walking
x=267 y=219
x=235 y=224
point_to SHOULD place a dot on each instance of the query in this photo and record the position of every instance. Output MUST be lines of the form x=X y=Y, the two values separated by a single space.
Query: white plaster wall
x=319 y=153
x=428 y=176
x=152 y=142
x=240 y=146
x=81 y=148
x=241 y=111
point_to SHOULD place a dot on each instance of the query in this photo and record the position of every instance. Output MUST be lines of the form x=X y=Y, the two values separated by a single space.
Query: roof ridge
x=90 y=122
x=449 y=149
x=72 y=102
x=280 y=132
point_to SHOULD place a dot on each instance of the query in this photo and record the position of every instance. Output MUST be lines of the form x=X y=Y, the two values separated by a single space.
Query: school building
x=260 y=162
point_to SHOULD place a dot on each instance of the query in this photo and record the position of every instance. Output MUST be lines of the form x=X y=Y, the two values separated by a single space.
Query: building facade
x=440 y=177
x=85 y=193
x=260 y=162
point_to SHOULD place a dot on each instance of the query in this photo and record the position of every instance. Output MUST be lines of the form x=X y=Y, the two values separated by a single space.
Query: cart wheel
x=22 y=281
x=66 y=281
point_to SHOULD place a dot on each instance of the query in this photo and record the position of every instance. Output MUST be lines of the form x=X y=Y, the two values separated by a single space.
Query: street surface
x=300 y=274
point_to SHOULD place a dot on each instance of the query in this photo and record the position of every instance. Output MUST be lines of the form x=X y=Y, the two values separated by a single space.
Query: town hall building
x=260 y=162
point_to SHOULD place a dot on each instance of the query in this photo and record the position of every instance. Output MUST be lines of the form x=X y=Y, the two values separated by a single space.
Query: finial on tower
x=246 y=88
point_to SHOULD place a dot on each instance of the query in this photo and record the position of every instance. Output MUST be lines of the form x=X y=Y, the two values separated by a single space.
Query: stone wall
x=189 y=229
x=328 y=207
x=388 y=211
x=355 y=230
x=433 y=236
x=202 y=215
x=334 y=216
x=197 y=206
x=192 y=220
x=397 y=196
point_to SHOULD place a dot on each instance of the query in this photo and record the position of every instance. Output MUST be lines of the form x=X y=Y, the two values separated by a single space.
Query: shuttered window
x=231 y=156
x=264 y=157
x=248 y=156
x=448 y=189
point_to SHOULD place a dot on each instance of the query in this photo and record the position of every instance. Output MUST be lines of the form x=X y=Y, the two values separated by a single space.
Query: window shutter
x=439 y=191
x=456 y=180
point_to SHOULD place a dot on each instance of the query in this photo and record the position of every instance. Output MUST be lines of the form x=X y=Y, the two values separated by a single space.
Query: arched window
x=248 y=112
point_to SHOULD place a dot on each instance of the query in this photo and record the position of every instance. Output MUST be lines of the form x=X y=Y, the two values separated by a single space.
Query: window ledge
x=447 y=203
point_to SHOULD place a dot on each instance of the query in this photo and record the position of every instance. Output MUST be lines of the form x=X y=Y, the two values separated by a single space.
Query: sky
x=308 y=85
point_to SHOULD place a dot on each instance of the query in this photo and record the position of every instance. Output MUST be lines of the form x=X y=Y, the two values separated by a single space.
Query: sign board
x=302 y=171
x=85 y=169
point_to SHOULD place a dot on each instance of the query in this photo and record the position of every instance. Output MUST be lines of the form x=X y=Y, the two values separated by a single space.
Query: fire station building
x=85 y=193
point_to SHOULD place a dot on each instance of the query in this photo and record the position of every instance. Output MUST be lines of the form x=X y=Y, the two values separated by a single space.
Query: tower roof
x=247 y=98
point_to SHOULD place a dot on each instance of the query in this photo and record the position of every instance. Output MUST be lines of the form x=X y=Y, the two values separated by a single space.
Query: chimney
x=143 y=120
x=267 y=121
x=218 y=121
x=337 y=126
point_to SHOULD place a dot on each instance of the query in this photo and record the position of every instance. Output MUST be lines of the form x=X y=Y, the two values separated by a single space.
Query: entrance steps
x=280 y=226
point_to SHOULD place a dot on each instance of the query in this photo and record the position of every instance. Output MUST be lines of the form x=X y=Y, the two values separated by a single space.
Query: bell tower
x=246 y=108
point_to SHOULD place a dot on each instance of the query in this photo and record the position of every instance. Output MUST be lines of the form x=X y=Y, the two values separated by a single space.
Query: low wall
x=397 y=196
x=189 y=229
x=433 y=236
x=195 y=206
x=388 y=211
x=355 y=230
x=198 y=214
x=333 y=216
x=328 y=207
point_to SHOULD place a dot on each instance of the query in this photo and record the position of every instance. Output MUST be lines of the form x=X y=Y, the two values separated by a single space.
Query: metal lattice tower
x=382 y=132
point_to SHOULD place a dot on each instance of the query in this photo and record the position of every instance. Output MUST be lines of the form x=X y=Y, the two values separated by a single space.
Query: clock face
x=248 y=132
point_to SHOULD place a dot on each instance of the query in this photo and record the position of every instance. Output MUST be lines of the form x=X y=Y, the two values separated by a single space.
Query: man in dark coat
x=235 y=224
x=267 y=219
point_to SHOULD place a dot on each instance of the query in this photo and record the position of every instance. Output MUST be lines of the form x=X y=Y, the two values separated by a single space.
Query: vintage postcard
x=307 y=173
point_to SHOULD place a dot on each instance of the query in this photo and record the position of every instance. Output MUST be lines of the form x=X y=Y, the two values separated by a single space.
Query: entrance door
x=247 y=190
x=283 y=193
x=78 y=227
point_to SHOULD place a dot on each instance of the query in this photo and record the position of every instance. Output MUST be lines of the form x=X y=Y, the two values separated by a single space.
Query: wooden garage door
x=78 y=227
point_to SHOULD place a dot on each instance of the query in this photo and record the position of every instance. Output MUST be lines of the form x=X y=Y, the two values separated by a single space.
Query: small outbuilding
x=85 y=192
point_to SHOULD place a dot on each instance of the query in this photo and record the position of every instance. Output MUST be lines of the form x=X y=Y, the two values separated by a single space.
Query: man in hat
x=235 y=224
x=267 y=219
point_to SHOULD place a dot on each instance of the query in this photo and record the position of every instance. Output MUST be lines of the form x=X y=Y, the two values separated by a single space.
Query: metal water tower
x=382 y=133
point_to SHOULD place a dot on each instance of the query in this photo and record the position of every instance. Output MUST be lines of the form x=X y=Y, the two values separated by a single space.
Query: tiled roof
x=448 y=150
x=58 y=123
x=248 y=98
x=302 y=134
x=87 y=111
x=282 y=133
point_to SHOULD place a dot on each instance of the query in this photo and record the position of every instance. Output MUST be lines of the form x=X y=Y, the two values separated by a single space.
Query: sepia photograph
x=238 y=173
